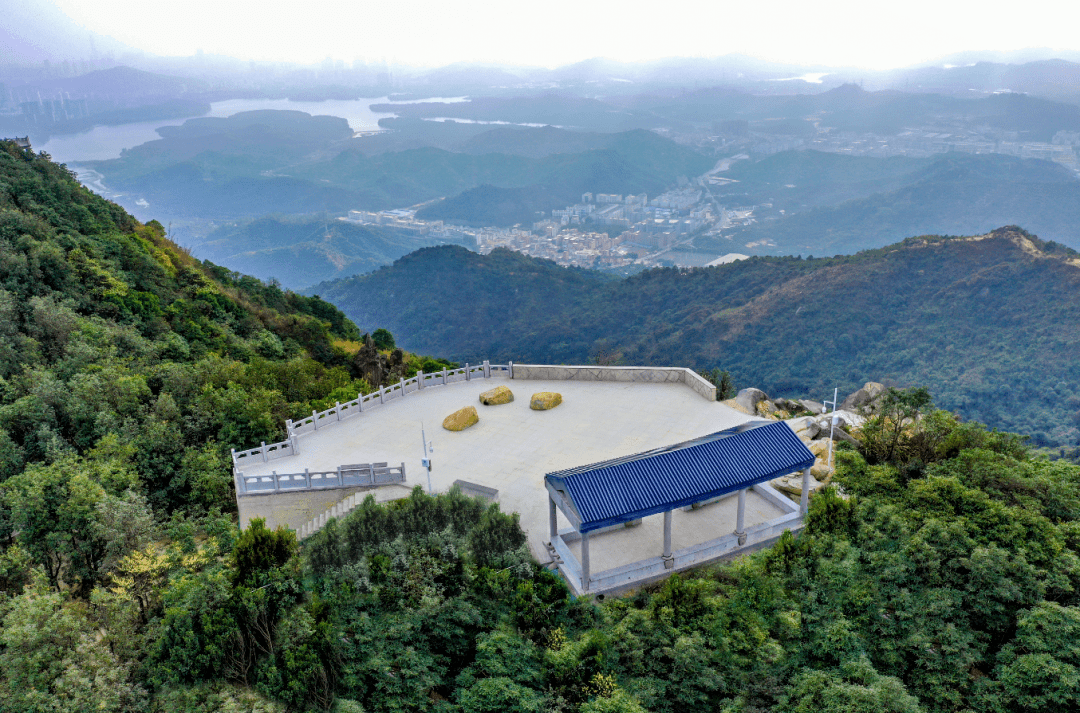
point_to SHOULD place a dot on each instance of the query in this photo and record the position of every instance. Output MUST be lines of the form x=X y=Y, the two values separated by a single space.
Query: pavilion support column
x=553 y=518
x=804 y=499
x=740 y=518
x=585 y=562
x=669 y=561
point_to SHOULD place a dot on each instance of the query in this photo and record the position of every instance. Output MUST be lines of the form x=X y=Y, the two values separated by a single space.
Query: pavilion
x=618 y=493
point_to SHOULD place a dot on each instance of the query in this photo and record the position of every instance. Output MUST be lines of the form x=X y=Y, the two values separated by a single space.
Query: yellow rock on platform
x=461 y=419
x=496 y=396
x=545 y=400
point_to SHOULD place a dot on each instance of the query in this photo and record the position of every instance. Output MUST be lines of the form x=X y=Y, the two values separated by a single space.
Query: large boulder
x=811 y=406
x=498 y=395
x=748 y=399
x=545 y=400
x=461 y=419
x=864 y=397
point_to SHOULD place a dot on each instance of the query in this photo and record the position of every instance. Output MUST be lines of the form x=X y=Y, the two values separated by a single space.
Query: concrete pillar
x=487 y=369
x=553 y=518
x=295 y=446
x=511 y=370
x=585 y=562
x=403 y=386
x=337 y=405
x=740 y=518
x=804 y=499
x=340 y=477
x=315 y=419
x=277 y=485
x=669 y=561
x=444 y=376
x=419 y=379
x=467 y=376
x=382 y=397
x=262 y=447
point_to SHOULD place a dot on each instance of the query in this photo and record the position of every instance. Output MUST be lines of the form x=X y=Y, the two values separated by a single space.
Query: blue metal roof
x=624 y=489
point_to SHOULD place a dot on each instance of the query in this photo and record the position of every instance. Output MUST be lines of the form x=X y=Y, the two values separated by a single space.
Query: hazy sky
x=552 y=32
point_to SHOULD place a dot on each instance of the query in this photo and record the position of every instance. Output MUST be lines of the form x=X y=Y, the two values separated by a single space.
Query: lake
x=104 y=142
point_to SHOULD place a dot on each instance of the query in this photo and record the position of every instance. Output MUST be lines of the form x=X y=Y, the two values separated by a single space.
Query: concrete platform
x=513 y=447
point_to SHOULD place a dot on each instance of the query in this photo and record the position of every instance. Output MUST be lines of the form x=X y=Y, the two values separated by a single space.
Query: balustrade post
x=403 y=472
x=295 y=447
x=467 y=376
x=360 y=402
x=444 y=376
x=419 y=379
x=315 y=419
x=487 y=369
x=511 y=370
x=288 y=426
x=307 y=477
x=382 y=397
x=262 y=449
x=338 y=407
x=340 y=477
x=402 y=382
x=277 y=483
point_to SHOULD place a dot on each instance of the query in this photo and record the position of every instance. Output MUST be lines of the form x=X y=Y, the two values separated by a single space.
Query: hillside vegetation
x=985 y=322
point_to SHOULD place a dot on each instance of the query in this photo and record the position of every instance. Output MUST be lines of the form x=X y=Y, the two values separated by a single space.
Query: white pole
x=423 y=437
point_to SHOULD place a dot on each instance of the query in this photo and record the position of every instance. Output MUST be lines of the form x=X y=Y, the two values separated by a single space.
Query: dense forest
x=986 y=324
x=944 y=579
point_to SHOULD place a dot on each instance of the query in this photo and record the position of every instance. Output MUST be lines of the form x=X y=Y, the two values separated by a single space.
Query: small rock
x=749 y=399
x=792 y=484
x=461 y=419
x=811 y=406
x=498 y=395
x=821 y=471
x=545 y=400
x=820 y=448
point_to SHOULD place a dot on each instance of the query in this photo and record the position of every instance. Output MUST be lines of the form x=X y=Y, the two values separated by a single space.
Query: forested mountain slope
x=984 y=322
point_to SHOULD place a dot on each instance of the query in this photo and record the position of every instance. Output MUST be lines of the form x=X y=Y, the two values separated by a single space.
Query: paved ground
x=513 y=447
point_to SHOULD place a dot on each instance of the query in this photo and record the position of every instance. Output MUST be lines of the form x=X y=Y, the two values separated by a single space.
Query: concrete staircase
x=347 y=505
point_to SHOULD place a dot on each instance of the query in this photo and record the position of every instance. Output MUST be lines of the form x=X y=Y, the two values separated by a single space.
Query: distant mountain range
x=841 y=204
x=987 y=323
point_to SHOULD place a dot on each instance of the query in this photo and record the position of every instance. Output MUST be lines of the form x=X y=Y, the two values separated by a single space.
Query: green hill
x=984 y=323
x=299 y=252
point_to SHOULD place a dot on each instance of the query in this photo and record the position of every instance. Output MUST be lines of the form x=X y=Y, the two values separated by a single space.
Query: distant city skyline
x=835 y=33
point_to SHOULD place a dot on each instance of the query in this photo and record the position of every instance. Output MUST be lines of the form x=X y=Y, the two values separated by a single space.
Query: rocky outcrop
x=811 y=406
x=864 y=397
x=545 y=400
x=461 y=419
x=748 y=399
x=498 y=395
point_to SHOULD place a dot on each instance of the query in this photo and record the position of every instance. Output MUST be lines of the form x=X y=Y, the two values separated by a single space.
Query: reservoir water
x=104 y=142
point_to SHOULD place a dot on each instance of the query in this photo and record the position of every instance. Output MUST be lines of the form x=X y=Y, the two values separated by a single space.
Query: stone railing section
x=341 y=411
x=636 y=374
x=346 y=476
